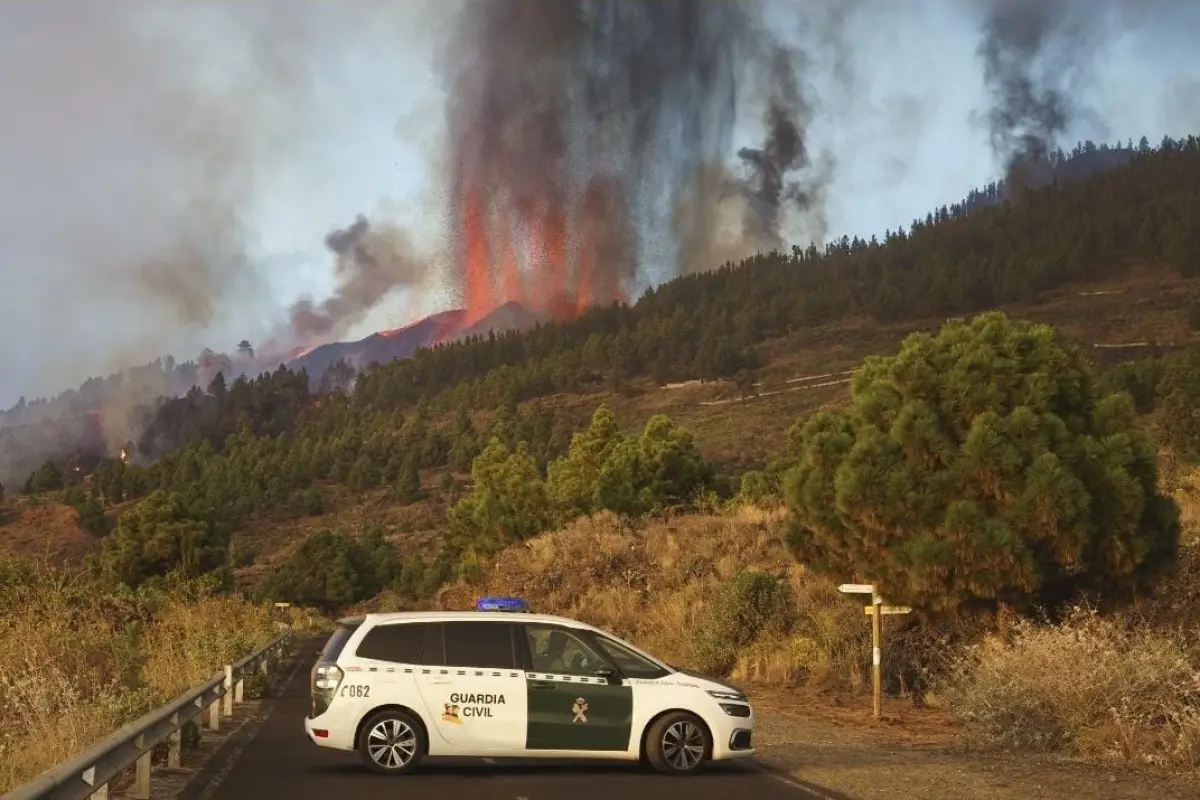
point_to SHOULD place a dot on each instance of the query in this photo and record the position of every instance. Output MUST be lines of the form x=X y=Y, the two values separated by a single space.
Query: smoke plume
x=784 y=151
x=135 y=167
x=1037 y=55
x=209 y=364
x=570 y=120
x=371 y=261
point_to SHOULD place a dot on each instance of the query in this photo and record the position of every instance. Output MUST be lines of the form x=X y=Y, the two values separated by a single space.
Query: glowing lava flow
x=519 y=252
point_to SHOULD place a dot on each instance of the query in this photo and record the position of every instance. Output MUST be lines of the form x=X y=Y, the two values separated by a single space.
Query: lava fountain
x=564 y=118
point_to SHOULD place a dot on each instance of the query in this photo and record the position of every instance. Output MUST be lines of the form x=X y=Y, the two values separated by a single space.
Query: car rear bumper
x=322 y=734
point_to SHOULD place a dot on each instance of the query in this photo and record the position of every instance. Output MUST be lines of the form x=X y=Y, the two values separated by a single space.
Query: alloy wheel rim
x=392 y=743
x=683 y=745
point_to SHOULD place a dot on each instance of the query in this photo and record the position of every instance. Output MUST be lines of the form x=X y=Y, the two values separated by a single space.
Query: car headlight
x=727 y=695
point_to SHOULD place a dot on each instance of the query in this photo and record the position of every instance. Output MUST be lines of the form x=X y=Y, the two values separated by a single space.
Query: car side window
x=483 y=645
x=433 y=652
x=397 y=643
x=560 y=652
x=631 y=664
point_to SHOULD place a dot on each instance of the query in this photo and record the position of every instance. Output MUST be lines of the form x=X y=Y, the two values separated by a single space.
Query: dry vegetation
x=1123 y=688
x=1095 y=686
x=45 y=529
x=664 y=584
x=78 y=662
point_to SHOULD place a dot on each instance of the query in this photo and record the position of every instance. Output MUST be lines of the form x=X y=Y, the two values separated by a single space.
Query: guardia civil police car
x=486 y=683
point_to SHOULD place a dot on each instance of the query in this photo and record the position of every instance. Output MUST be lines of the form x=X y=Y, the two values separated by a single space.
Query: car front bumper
x=733 y=736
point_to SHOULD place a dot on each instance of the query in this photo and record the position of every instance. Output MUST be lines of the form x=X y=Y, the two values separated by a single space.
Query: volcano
x=446 y=326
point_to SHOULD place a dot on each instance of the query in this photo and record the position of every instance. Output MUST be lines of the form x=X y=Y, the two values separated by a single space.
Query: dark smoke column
x=1029 y=109
x=564 y=118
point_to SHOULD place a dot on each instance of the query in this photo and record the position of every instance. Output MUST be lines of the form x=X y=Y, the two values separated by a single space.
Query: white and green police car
x=486 y=683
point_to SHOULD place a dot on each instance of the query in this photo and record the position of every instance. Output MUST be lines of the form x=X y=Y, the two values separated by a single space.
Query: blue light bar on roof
x=501 y=604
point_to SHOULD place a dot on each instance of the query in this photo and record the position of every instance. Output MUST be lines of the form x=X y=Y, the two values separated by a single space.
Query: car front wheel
x=678 y=743
x=392 y=743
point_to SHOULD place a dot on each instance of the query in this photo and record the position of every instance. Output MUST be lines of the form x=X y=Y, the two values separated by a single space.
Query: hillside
x=257 y=464
x=800 y=373
x=1099 y=210
x=47 y=531
x=1114 y=321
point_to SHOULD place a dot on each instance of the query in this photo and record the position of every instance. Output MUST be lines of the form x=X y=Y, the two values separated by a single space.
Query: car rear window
x=337 y=642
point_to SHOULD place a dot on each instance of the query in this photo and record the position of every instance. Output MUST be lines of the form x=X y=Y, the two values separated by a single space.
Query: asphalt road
x=272 y=758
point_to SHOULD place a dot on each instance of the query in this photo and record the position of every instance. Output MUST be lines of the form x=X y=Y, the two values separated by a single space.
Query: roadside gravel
x=919 y=754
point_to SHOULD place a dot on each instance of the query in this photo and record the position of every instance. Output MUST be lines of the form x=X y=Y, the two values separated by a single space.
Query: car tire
x=392 y=742
x=678 y=743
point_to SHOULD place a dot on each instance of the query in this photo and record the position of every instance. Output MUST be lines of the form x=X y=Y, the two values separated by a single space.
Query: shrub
x=1089 y=685
x=745 y=607
x=980 y=467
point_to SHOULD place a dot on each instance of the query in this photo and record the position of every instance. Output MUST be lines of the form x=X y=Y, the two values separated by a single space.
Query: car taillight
x=325 y=681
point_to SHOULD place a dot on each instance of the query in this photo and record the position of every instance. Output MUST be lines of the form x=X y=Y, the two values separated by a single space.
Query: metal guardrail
x=88 y=774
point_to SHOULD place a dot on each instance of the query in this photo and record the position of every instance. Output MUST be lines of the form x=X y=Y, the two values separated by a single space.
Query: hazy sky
x=169 y=169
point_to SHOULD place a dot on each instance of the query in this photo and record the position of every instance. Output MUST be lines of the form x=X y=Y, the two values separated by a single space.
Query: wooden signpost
x=875 y=611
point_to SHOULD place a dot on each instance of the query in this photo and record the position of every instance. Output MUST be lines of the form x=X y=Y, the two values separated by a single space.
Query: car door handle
x=544 y=685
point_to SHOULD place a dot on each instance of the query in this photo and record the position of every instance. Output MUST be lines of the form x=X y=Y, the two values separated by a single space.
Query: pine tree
x=408 y=485
x=982 y=466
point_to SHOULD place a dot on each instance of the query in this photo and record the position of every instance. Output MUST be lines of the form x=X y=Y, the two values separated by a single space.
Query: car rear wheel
x=392 y=742
x=678 y=743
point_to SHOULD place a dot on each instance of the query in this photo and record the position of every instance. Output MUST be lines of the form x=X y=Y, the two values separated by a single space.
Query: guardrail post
x=175 y=750
x=239 y=690
x=214 y=715
x=227 y=699
x=141 y=781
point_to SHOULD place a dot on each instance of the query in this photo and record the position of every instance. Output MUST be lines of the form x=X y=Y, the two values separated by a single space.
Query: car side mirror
x=608 y=674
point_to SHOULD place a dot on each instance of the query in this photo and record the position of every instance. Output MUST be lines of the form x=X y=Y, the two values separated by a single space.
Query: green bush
x=982 y=466
x=747 y=606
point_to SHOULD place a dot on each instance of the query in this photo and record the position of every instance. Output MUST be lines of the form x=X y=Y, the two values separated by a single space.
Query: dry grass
x=654 y=583
x=45 y=528
x=187 y=641
x=77 y=662
x=1099 y=687
x=1182 y=481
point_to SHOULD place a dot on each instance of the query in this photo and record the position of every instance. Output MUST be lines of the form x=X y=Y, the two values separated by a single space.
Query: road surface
x=272 y=758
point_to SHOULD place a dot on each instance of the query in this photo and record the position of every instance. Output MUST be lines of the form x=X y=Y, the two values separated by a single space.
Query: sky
x=169 y=169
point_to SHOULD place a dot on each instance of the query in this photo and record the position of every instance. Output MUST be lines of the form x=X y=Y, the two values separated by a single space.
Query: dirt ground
x=920 y=754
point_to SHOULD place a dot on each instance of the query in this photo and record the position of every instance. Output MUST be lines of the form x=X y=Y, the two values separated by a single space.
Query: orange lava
x=479 y=285
x=519 y=252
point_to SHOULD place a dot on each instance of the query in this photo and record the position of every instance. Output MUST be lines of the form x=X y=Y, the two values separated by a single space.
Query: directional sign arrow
x=857 y=588
x=870 y=610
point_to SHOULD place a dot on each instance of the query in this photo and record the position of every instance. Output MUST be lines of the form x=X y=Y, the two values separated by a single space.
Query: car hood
x=713 y=683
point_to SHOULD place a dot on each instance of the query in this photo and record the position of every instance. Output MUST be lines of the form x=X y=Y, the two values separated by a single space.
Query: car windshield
x=629 y=661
